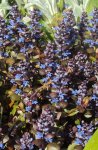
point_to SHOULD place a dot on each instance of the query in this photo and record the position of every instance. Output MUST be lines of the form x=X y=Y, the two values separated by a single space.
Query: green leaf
x=19 y=3
x=71 y=146
x=21 y=117
x=1 y=113
x=26 y=19
x=47 y=7
x=15 y=97
x=91 y=4
x=71 y=112
x=28 y=6
x=85 y=3
x=77 y=9
x=93 y=142
x=77 y=122
x=54 y=6
x=70 y=3
x=60 y=5
x=14 y=110
x=52 y=146
x=4 y=6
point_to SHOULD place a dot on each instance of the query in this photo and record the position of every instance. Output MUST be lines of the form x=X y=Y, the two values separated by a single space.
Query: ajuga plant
x=52 y=84
x=83 y=25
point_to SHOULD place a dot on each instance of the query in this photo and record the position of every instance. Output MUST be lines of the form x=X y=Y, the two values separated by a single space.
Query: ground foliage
x=48 y=87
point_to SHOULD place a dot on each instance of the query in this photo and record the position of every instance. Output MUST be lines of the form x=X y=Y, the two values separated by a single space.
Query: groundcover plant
x=48 y=85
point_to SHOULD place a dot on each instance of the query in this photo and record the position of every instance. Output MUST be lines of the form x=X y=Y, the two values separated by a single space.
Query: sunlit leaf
x=26 y=19
x=85 y=3
x=19 y=3
x=60 y=5
x=10 y=61
x=85 y=101
x=59 y=115
x=88 y=114
x=14 y=109
x=15 y=97
x=77 y=121
x=1 y=83
x=11 y=103
x=21 y=56
x=47 y=7
x=91 y=4
x=71 y=146
x=71 y=112
x=93 y=59
x=77 y=9
x=4 y=6
x=1 y=113
x=21 y=105
x=52 y=146
x=6 y=139
x=90 y=50
x=93 y=142
x=21 y=117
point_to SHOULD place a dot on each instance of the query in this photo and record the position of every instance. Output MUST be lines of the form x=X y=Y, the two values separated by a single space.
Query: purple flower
x=42 y=66
x=65 y=20
x=96 y=20
x=49 y=74
x=45 y=79
x=88 y=41
x=54 y=85
x=6 y=36
x=25 y=83
x=94 y=97
x=30 y=26
x=18 y=91
x=55 y=79
x=6 y=54
x=39 y=135
x=21 y=40
x=79 y=127
x=66 y=54
x=61 y=95
x=20 y=30
x=78 y=141
x=18 y=76
x=51 y=64
x=18 y=19
x=23 y=50
x=12 y=80
x=75 y=92
x=34 y=102
x=1 y=145
x=12 y=23
x=1 y=43
x=50 y=140
x=54 y=100
x=28 y=108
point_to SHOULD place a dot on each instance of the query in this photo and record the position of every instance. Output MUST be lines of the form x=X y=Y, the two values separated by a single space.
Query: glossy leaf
x=4 y=6
x=60 y=5
x=47 y=7
x=71 y=146
x=77 y=9
x=10 y=61
x=93 y=142
x=91 y=4
x=19 y=3
x=14 y=109
x=52 y=146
